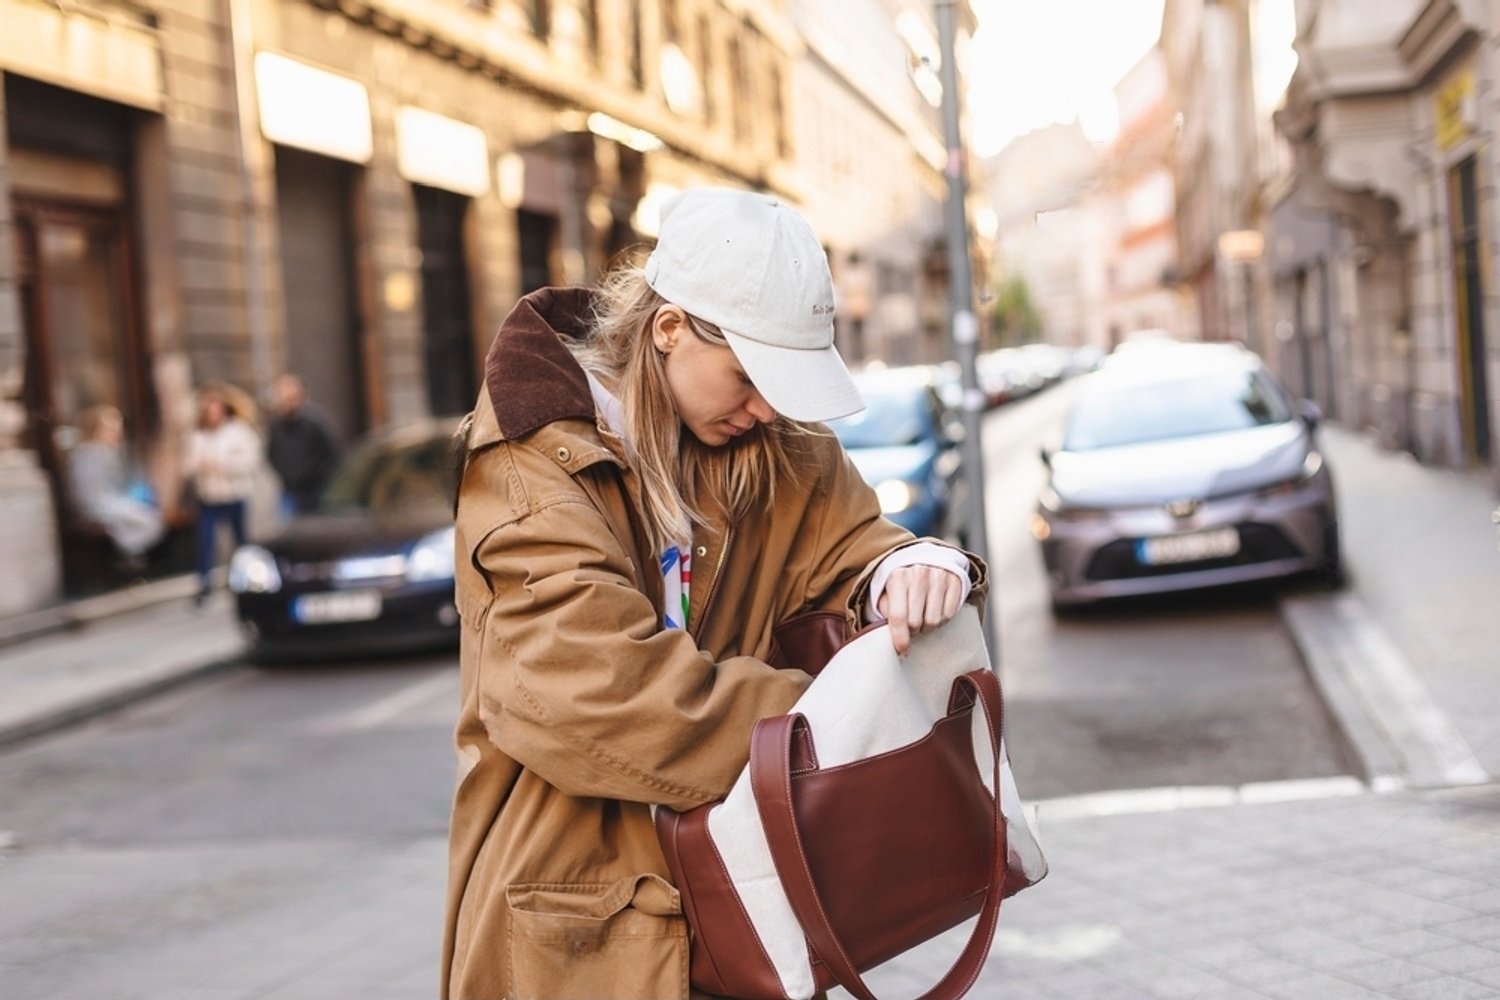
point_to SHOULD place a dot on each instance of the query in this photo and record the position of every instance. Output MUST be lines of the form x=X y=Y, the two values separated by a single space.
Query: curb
x=73 y=614
x=104 y=701
x=1398 y=732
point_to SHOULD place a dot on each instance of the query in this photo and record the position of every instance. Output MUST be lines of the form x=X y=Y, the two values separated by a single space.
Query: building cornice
x=1438 y=33
x=484 y=46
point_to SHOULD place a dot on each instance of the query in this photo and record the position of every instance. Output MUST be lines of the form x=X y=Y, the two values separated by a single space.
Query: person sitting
x=101 y=487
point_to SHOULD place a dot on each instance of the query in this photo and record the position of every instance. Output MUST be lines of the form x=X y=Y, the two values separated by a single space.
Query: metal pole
x=965 y=325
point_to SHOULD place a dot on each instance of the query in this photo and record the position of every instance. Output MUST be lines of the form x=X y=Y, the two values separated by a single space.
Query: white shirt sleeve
x=920 y=554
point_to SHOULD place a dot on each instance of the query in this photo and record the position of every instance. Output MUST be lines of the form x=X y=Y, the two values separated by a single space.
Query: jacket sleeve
x=854 y=538
x=577 y=680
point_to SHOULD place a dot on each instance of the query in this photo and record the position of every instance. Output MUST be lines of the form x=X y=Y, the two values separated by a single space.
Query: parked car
x=371 y=569
x=1182 y=467
x=905 y=444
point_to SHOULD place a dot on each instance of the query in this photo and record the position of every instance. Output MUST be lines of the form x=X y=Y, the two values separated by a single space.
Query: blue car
x=905 y=444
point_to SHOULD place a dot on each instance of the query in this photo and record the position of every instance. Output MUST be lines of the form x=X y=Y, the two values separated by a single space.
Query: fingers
x=896 y=610
x=918 y=599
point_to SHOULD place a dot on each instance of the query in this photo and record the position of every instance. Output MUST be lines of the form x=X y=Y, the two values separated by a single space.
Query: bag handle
x=771 y=764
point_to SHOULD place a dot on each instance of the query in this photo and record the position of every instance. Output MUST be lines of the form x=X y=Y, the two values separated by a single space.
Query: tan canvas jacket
x=578 y=710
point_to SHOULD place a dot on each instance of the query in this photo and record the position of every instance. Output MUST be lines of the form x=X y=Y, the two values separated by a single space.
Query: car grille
x=1258 y=543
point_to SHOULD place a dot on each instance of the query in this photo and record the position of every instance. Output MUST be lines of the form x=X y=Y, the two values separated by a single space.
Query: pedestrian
x=645 y=496
x=300 y=447
x=103 y=490
x=222 y=455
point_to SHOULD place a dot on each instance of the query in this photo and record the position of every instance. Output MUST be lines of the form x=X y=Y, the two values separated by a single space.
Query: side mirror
x=1312 y=414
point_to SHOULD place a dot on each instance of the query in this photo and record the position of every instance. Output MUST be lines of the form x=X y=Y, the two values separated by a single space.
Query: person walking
x=645 y=496
x=100 y=486
x=300 y=447
x=220 y=462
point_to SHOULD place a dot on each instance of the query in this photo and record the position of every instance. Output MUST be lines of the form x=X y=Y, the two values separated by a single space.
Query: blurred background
x=1237 y=386
x=217 y=192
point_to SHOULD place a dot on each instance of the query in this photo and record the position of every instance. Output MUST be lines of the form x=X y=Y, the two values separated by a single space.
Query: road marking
x=1135 y=801
x=1361 y=671
x=383 y=710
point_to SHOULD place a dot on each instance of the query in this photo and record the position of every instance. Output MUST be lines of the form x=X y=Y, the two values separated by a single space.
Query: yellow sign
x=1454 y=107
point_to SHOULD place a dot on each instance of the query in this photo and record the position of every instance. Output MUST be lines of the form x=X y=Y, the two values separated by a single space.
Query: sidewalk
x=76 y=661
x=1372 y=896
x=1408 y=657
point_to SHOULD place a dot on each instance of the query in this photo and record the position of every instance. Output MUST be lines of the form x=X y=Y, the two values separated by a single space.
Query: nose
x=758 y=408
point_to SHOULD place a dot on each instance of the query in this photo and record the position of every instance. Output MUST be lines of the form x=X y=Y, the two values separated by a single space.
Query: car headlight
x=895 y=495
x=252 y=570
x=432 y=557
x=1059 y=509
x=1311 y=466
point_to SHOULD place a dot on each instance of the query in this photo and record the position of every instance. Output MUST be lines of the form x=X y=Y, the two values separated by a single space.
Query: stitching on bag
x=759 y=944
x=891 y=753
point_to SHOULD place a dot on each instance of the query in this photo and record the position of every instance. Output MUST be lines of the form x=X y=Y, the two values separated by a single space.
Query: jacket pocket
x=624 y=940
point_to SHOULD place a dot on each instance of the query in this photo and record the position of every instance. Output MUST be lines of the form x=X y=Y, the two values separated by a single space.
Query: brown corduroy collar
x=530 y=374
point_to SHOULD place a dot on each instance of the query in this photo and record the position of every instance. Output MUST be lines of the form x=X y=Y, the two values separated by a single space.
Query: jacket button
x=702 y=551
x=563 y=454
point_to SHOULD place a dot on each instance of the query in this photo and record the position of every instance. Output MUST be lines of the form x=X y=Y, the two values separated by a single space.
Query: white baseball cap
x=752 y=267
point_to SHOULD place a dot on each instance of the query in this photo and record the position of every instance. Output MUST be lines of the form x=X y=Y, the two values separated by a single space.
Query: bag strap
x=772 y=746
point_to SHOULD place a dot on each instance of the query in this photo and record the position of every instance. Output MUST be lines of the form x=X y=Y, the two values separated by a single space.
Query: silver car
x=1180 y=467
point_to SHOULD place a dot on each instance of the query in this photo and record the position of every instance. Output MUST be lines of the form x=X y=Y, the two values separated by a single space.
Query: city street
x=227 y=837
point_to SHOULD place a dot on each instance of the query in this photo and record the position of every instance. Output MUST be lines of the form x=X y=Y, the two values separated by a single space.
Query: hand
x=918 y=599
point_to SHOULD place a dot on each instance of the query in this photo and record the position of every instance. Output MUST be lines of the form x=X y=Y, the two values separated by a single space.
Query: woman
x=221 y=458
x=99 y=482
x=634 y=520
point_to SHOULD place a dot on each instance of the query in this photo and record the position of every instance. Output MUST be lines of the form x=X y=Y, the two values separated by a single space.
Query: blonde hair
x=681 y=478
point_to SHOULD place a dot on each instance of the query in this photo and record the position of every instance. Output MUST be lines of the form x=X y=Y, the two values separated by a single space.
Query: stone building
x=1383 y=232
x=198 y=191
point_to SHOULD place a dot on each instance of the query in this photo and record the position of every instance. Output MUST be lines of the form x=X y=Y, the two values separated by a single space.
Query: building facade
x=869 y=156
x=218 y=191
x=1137 y=189
x=1051 y=233
x=1217 y=182
x=1383 y=235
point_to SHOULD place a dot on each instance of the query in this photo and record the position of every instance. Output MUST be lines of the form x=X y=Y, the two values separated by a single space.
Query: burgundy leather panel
x=947 y=855
x=709 y=900
x=808 y=641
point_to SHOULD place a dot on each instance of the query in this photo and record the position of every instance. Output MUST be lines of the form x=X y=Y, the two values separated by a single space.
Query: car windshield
x=1111 y=413
x=892 y=416
x=394 y=479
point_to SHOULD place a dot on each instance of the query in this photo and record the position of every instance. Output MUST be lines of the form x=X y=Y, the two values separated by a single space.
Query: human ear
x=666 y=326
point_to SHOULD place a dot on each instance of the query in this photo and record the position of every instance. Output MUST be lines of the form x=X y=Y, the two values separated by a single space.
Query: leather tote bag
x=866 y=822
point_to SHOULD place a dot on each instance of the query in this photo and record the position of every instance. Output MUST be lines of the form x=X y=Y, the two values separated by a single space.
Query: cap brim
x=803 y=385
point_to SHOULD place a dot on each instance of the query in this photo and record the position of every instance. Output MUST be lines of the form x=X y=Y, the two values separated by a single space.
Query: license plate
x=1218 y=544
x=339 y=606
